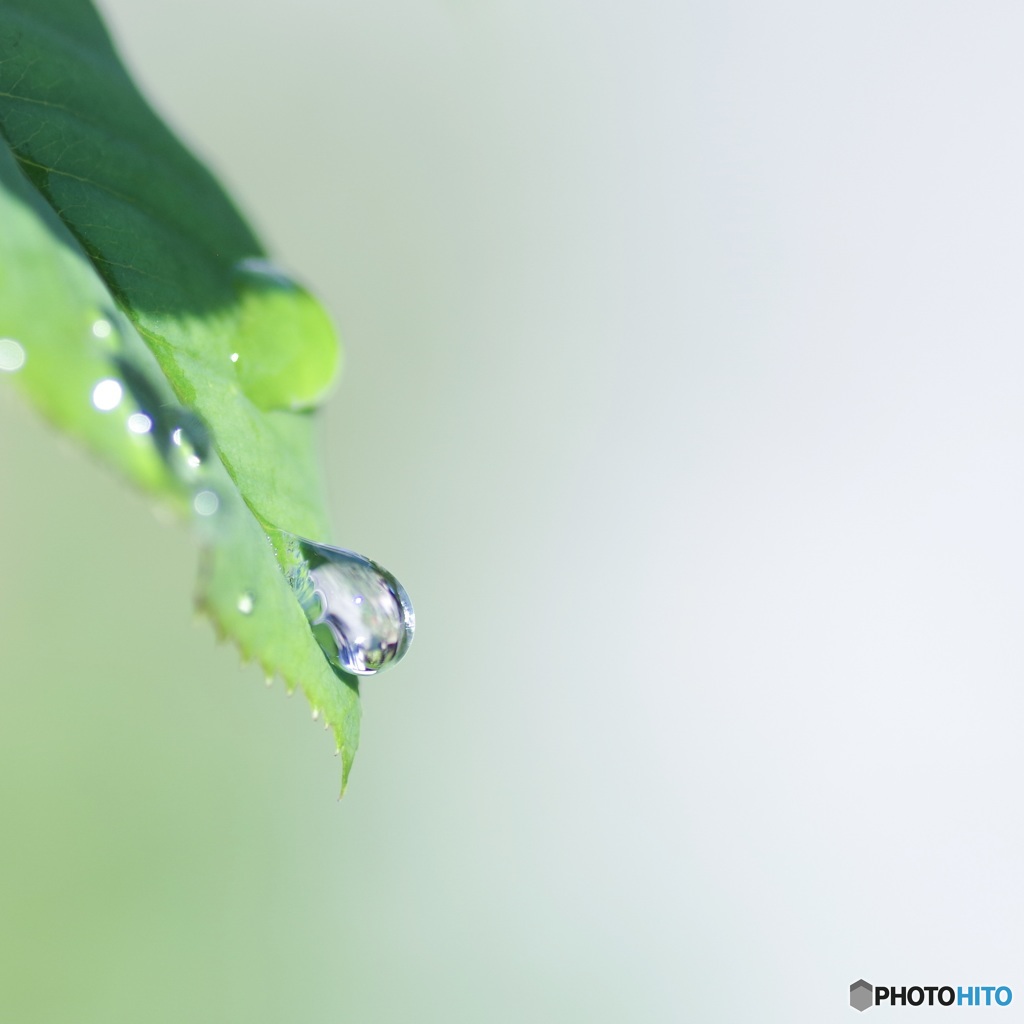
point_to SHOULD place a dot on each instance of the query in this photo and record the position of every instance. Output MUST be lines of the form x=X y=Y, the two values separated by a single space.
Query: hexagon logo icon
x=861 y=995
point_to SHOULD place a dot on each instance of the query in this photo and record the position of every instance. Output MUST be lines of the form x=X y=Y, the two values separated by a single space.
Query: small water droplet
x=101 y=328
x=316 y=714
x=189 y=442
x=107 y=394
x=206 y=503
x=12 y=355
x=139 y=423
x=234 y=357
x=246 y=604
x=361 y=615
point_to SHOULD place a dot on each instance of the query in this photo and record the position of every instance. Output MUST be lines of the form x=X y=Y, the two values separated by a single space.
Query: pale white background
x=683 y=389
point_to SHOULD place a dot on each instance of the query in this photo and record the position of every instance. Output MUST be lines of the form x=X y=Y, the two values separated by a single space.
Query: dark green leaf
x=122 y=260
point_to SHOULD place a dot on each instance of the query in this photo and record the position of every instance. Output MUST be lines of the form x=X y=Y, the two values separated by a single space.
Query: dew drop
x=190 y=442
x=206 y=503
x=101 y=328
x=234 y=357
x=107 y=394
x=12 y=355
x=246 y=604
x=139 y=423
x=361 y=615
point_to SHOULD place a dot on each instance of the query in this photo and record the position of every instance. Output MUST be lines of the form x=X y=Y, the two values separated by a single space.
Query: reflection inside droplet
x=361 y=615
x=206 y=503
x=107 y=395
x=245 y=604
x=101 y=328
x=12 y=355
x=139 y=423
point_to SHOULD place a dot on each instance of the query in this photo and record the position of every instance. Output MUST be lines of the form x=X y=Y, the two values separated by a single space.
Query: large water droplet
x=361 y=615
x=285 y=350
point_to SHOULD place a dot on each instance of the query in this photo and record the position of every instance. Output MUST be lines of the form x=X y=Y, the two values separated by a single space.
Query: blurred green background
x=682 y=391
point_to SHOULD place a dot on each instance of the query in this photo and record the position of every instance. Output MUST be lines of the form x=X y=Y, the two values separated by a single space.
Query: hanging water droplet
x=246 y=604
x=12 y=355
x=361 y=615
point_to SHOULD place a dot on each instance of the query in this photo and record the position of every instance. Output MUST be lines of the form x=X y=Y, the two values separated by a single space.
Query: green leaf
x=151 y=326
